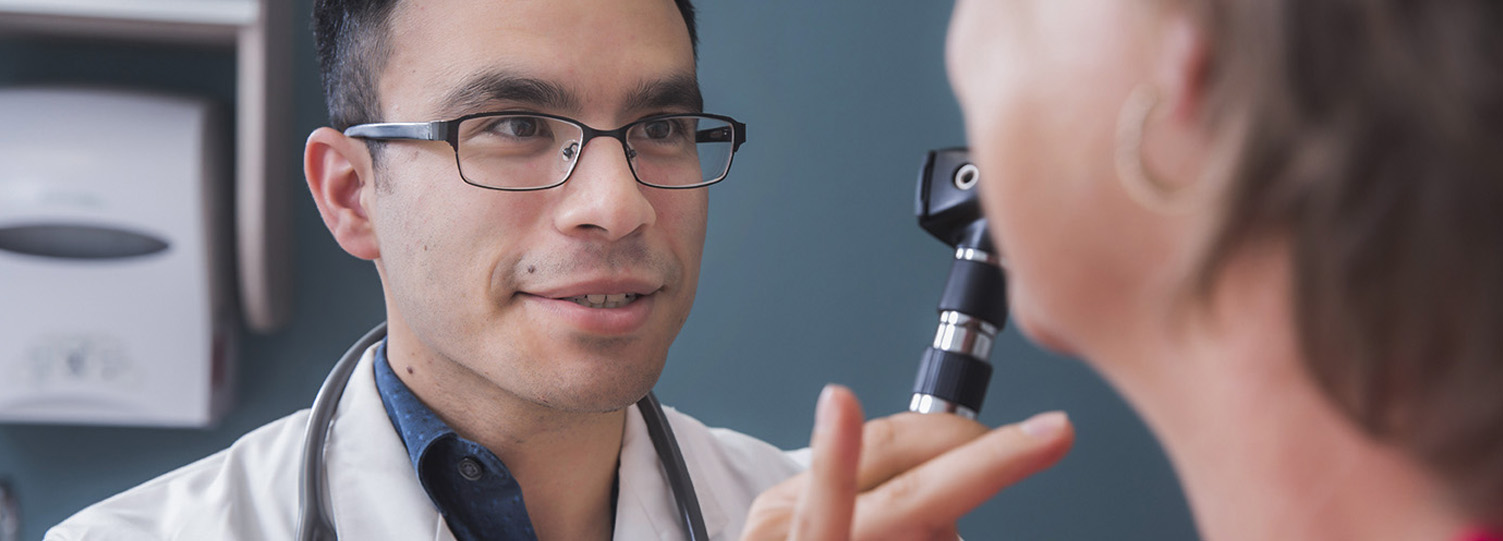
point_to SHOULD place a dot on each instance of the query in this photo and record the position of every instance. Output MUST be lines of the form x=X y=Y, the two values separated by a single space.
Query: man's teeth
x=615 y=300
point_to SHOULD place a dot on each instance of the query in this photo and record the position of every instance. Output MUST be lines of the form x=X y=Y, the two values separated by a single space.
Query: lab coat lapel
x=376 y=493
x=645 y=505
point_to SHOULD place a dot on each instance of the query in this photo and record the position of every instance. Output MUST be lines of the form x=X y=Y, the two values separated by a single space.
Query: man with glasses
x=529 y=179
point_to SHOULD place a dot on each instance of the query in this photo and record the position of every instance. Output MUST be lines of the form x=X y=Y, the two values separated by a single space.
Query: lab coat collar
x=645 y=505
x=376 y=494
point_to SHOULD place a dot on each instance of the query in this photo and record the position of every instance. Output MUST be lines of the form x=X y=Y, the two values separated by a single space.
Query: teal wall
x=814 y=271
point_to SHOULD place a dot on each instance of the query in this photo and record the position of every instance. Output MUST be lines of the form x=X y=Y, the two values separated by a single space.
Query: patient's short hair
x=1370 y=136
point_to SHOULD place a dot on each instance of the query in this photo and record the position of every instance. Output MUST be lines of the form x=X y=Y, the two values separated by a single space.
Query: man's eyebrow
x=673 y=92
x=489 y=87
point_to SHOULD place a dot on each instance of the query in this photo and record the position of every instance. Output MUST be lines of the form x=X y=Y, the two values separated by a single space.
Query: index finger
x=940 y=491
x=900 y=442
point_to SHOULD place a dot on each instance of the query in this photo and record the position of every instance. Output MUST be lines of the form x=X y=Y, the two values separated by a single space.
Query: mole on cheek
x=531 y=269
x=409 y=370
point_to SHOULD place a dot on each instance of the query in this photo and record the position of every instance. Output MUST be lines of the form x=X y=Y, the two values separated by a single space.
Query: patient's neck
x=1260 y=450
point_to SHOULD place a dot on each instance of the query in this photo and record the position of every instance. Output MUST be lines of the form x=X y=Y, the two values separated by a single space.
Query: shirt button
x=470 y=469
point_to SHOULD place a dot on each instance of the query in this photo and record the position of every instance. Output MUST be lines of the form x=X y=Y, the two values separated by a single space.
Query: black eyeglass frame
x=448 y=131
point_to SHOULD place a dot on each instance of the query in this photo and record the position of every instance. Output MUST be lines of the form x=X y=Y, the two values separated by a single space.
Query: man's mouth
x=612 y=300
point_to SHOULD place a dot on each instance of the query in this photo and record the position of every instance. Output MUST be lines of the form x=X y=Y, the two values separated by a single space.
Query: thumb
x=825 y=509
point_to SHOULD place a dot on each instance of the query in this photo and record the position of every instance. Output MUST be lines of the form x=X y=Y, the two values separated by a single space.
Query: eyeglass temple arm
x=422 y=131
x=723 y=134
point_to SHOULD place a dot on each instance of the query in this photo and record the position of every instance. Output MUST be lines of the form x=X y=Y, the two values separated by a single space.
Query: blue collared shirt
x=469 y=485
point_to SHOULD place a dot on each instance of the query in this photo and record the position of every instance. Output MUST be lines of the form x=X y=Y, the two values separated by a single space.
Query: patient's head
x=1135 y=152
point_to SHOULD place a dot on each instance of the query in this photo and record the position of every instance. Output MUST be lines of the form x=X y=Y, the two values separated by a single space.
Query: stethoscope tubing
x=313 y=504
x=672 y=458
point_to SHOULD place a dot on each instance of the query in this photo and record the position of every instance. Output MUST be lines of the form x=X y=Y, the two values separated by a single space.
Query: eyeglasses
x=537 y=151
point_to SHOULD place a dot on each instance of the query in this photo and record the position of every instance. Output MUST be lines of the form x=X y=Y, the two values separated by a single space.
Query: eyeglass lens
x=525 y=151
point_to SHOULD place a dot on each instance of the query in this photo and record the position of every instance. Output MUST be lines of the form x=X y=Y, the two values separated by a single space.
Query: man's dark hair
x=353 y=41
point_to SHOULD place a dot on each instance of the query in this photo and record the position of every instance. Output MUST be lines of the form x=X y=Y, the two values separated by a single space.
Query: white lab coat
x=249 y=491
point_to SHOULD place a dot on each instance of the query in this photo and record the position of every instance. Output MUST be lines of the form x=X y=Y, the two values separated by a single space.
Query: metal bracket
x=10 y=513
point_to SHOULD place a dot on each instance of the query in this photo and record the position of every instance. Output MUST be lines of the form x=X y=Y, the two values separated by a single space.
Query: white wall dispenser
x=116 y=304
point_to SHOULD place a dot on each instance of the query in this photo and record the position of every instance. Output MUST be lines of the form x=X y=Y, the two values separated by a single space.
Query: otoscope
x=954 y=371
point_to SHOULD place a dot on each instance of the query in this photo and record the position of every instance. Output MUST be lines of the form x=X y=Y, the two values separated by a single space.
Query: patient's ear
x=1177 y=142
x=1183 y=68
x=339 y=173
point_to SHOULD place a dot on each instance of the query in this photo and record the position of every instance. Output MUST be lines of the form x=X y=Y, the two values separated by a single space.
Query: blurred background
x=814 y=269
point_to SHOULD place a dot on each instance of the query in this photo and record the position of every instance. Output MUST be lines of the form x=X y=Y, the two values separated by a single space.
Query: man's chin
x=594 y=400
x=600 y=384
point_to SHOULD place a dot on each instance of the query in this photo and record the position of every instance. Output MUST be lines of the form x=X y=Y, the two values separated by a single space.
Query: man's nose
x=602 y=197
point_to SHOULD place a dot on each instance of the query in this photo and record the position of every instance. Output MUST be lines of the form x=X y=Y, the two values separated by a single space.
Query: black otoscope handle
x=954 y=372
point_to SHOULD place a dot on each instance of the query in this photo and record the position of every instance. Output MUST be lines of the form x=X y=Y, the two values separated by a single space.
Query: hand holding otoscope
x=954 y=371
x=934 y=469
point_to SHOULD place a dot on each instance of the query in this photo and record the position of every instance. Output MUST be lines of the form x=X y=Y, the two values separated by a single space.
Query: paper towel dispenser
x=116 y=284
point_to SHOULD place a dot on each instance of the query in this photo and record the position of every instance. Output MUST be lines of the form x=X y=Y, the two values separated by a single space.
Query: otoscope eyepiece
x=947 y=206
x=954 y=372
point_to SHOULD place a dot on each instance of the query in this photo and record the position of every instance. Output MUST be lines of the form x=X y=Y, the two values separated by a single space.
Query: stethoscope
x=313 y=494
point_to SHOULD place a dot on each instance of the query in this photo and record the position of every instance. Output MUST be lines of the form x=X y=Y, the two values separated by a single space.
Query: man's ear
x=339 y=173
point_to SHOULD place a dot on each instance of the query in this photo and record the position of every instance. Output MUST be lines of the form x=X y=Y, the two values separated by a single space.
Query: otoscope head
x=947 y=206
x=954 y=371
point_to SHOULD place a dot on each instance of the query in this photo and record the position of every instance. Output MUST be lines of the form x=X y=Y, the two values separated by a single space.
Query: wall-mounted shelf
x=259 y=30
x=228 y=14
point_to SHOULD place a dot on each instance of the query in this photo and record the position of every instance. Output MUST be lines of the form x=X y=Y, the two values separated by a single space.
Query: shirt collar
x=418 y=425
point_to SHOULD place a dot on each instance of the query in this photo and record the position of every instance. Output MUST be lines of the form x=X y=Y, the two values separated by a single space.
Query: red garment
x=1480 y=535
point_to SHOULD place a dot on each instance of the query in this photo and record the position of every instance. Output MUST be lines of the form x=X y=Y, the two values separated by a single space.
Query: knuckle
x=879 y=433
x=900 y=491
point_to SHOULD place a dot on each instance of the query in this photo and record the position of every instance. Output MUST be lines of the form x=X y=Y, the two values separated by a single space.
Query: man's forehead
x=573 y=53
x=487 y=89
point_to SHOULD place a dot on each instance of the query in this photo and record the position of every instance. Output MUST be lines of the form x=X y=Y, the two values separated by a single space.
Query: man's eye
x=518 y=126
x=659 y=129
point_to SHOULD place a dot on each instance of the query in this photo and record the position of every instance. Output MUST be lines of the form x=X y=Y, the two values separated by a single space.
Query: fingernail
x=825 y=408
x=1045 y=424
